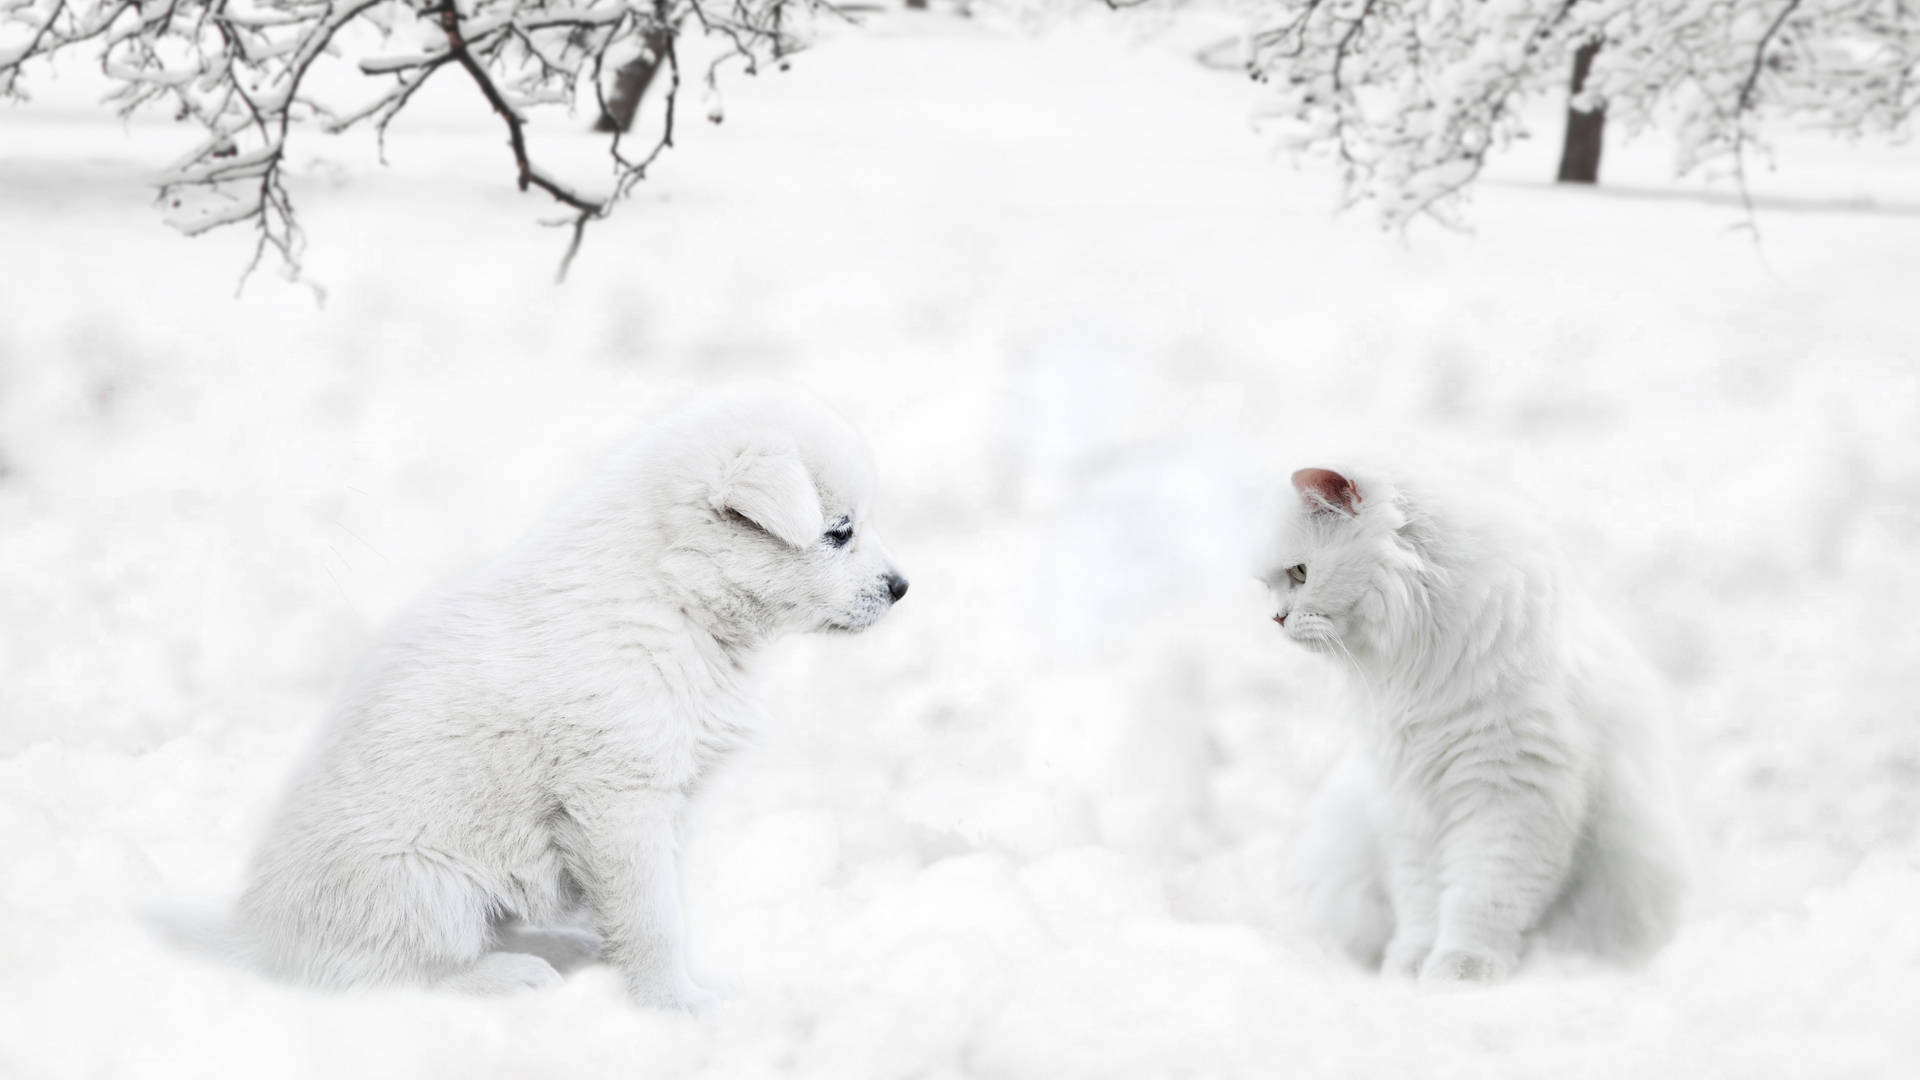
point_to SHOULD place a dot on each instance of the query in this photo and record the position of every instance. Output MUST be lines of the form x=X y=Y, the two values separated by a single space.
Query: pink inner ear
x=1327 y=488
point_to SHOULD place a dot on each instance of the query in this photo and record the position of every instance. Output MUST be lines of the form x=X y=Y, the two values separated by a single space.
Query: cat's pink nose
x=1281 y=619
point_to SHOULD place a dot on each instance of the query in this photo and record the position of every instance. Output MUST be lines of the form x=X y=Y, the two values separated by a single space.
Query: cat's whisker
x=1358 y=671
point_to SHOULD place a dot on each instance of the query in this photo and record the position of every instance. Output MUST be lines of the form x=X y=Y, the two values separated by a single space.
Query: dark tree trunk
x=631 y=81
x=1580 y=153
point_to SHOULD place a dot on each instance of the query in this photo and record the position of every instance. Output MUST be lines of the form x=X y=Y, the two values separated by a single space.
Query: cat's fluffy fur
x=1510 y=778
x=512 y=759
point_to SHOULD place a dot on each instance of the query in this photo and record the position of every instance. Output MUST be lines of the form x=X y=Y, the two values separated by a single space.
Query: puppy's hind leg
x=502 y=973
x=361 y=918
x=565 y=947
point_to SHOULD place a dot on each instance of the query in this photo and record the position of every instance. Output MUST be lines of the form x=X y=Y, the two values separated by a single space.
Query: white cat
x=1510 y=778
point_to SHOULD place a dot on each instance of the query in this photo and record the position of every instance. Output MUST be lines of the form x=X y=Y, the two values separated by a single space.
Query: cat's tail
x=1625 y=900
x=205 y=931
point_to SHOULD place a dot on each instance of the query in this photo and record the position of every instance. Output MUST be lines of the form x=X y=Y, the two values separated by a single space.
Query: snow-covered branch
x=1411 y=96
x=239 y=70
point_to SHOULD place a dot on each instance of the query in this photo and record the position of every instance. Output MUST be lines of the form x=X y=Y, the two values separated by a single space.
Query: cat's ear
x=1324 y=490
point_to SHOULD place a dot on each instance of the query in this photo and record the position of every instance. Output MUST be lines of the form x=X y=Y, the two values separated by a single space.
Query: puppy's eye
x=1297 y=574
x=841 y=534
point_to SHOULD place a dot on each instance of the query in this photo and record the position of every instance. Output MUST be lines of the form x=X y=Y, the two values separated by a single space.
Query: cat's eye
x=1297 y=574
x=841 y=534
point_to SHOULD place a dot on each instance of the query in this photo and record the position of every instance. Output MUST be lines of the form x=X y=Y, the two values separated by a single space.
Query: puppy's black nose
x=896 y=587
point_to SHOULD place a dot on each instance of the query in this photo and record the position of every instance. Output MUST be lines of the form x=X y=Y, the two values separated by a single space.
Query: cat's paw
x=678 y=996
x=1405 y=957
x=1465 y=965
x=700 y=1001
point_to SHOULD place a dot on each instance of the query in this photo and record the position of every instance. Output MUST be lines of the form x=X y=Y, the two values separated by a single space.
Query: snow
x=1032 y=825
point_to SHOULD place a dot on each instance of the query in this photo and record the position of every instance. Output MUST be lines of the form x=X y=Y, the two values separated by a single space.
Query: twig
x=1743 y=106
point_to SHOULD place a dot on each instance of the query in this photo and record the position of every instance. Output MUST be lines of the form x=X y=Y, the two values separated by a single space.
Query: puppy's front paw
x=1465 y=965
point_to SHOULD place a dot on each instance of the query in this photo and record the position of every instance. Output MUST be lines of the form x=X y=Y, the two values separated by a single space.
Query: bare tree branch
x=240 y=71
x=1743 y=108
x=1411 y=96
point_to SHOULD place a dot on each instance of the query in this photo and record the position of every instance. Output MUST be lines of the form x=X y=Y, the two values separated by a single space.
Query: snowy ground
x=1032 y=825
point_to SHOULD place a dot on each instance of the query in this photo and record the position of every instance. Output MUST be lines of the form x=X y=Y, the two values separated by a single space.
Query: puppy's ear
x=774 y=492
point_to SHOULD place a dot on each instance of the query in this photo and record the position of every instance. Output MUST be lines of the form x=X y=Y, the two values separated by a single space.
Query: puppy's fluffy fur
x=513 y=757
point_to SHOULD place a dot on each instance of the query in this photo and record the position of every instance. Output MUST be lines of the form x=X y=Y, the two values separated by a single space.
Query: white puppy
x=515 y=755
